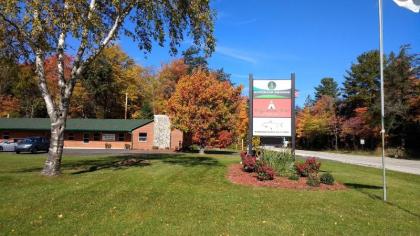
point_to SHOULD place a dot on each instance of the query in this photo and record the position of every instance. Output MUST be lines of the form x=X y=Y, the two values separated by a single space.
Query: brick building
x=142 y=134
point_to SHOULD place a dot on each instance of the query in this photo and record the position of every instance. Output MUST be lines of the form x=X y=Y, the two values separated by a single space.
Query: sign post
x=293 y=91
x=272 y=113
x=250 y=125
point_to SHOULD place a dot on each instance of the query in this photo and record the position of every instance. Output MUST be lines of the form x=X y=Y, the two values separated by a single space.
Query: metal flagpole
x=381 y=60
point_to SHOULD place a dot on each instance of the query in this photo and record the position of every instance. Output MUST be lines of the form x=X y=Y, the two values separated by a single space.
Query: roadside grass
x=188 y=194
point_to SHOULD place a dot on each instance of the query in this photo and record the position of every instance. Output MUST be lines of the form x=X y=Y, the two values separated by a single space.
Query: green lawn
x=189 y=195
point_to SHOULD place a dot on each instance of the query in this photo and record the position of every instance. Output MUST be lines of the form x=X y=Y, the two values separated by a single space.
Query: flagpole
x=381 y=60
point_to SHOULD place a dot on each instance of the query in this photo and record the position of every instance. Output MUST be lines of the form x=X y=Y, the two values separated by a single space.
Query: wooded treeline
x=214 y=109
x=338 y=118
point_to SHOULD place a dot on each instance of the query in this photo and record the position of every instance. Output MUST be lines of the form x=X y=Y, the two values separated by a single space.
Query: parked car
x=7 y=146
x=33 y=145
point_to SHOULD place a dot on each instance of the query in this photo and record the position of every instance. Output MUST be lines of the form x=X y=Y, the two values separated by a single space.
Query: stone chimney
x=162 y=132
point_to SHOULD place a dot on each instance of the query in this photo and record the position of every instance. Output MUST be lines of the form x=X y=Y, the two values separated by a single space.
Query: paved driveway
x=401 y=165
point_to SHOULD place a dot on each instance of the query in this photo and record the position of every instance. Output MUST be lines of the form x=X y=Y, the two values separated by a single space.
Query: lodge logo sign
x=272 y=107
x=271 y=85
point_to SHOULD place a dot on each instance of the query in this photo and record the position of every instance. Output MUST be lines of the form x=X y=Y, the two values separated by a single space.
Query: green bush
x=327 y=178
x=281 y=161
x=313 y=180
x=294 y=177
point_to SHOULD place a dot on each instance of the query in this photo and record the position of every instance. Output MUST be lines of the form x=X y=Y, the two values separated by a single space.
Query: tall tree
x=204 y=107
x=166 y=80
x=328 y=87
x=361 y=85
x=400 y=89
x=38 y=28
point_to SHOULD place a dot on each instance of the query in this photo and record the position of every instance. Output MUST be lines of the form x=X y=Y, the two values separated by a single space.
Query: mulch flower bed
x=238 y=176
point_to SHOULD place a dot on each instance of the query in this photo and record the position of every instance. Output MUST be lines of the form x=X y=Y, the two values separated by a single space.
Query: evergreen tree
x=328 y=87
x=400 y=89
x=361 y=85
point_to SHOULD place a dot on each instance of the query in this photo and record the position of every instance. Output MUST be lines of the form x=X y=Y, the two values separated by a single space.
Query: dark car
x=33 y=145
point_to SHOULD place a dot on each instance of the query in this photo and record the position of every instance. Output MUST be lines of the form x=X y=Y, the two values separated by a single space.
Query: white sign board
x=272 y=126
x=108 y=137
x=362 y=141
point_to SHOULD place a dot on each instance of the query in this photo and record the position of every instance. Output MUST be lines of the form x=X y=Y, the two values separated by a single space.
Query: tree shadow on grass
x=362 y=189
x=362 y=186
x=118 y=162
x=213 y=152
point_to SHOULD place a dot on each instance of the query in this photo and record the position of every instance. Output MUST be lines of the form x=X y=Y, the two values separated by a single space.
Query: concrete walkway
x=401 y=165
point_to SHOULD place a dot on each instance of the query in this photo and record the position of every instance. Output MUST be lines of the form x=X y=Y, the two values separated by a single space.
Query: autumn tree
x=107 y=80
x=39 y=28
x=165 y=83
x=204 y=107
x=319 y=125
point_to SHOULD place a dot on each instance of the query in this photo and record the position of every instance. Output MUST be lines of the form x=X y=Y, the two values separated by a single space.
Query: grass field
x=189 y=195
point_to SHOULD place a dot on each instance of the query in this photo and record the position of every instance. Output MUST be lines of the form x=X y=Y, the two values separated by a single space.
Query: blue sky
x=314 y=39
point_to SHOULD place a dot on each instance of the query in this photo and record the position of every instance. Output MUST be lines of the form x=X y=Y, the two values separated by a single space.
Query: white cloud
x=236 y=54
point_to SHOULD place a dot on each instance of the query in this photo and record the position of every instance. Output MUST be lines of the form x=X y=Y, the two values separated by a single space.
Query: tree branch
x=60 y=52
x=19 y=30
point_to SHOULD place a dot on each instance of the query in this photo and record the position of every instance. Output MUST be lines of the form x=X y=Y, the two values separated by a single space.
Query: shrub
x=249 y=163
x=127 y=146
x=264 y=172
x=294 y=177
x=108 y=145
x=311 y=165
x=327 y=178
x=301 y=169
x=280 y=161
x=313 y=180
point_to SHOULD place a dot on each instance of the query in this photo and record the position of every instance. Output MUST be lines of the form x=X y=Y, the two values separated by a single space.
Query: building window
x=70 y=136
x=121 y=137
x=6 y=135
x=142 y=137
x=108 y=137
x=97 y=136
x=85 y=138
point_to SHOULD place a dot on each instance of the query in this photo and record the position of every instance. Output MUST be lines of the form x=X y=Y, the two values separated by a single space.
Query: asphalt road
x=401 y=165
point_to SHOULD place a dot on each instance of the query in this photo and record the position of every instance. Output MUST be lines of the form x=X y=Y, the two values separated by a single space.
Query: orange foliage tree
x=318 y=122
x=167 y=78
x=205 y=108
x=8 y=105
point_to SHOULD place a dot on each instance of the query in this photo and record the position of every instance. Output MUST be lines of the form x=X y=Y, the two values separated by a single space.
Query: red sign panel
x=272 y=108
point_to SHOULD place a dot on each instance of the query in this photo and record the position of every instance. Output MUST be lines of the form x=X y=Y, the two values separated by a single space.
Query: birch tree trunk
x=52 y=165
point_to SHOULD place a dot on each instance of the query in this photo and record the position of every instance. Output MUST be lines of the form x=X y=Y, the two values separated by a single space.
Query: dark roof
x=73 y=124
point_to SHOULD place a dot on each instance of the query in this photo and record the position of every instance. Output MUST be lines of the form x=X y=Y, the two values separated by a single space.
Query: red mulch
x=238 y=176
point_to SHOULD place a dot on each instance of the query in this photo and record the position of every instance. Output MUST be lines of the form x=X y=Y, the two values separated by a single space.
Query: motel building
x=139 y=134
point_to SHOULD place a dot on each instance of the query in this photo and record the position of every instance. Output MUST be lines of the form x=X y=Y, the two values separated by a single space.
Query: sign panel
x=108 y=137
x=272 y=89
x=272 y=107
x=272 y=126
